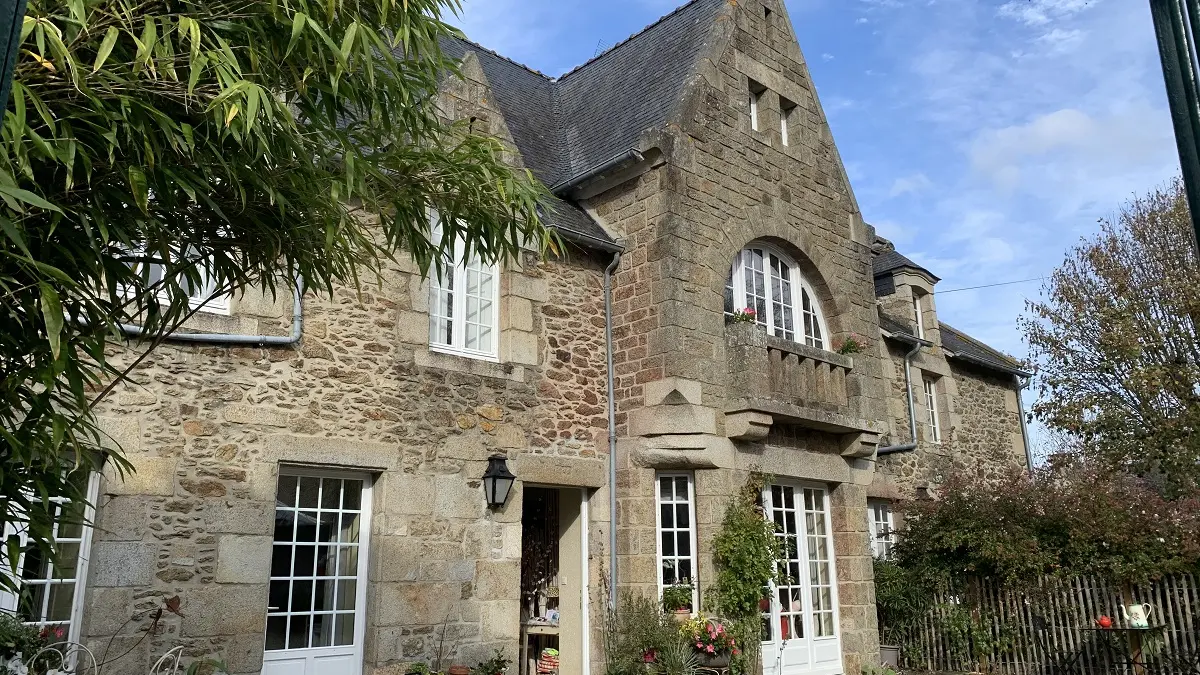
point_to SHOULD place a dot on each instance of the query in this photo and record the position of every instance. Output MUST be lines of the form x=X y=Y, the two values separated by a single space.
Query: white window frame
x=456 y=270
x=919 y=314
x=753 y=111
x=199 y=299
x=691 y=530
x=798 y=289
x=882 y=525
x=935 y=429
x=366 y=506
x=9 y=601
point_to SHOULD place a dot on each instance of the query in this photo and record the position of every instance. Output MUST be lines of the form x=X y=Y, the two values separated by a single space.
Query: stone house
x=310 y=471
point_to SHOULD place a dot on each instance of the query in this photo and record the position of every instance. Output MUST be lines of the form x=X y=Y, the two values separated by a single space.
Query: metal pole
x=12 y=15
x=1172 y=27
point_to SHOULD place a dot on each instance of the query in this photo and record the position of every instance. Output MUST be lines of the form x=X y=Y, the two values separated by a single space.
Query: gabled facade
x=317 y=501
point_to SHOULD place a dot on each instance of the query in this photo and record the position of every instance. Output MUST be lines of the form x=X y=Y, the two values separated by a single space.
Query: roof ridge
x=502 y=57
x=626 y=41
x=978 y=343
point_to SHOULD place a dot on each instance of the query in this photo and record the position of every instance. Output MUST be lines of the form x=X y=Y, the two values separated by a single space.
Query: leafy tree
x=249 y=142
x=1116 y=344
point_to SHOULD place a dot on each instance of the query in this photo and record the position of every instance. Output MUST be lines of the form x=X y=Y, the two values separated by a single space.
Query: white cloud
x=862 y=20
x=917 y=182
x=1042 y=12
x=827 y=56
x=1069 y=153
x=1059 y=40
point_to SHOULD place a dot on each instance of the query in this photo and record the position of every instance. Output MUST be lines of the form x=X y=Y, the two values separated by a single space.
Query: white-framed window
x=918 y=316
x=786 y=110
x=318 y=562
x=882 y=526
x=51 y=592
x=202 y=296
x=676 y=497
x=768 y=282
x=935 y=430
x=755 y=97
x=464 y=304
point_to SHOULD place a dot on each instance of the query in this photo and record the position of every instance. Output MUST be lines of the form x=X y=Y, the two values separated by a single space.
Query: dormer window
x=463 y=302
x=766 y=281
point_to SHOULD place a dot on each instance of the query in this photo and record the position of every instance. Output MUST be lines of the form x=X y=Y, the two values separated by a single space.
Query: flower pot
x=714 y=660
x=458 y=670
x=889 y=655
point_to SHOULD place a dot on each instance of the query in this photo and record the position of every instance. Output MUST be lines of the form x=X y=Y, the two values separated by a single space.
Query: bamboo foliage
x=245 y=142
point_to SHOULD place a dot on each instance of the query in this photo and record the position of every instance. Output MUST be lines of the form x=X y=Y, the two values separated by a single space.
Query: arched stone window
x=769 y=282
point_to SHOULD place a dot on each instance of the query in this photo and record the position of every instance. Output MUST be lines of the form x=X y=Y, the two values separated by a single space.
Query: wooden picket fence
x=1048 y=629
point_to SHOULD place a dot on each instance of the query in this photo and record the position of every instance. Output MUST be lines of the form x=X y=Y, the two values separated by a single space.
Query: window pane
x=277 y=597
x=323 y=597
x=352 y=495
x=344 y=632
x=664 y=489
x=306 y=526
x=667 y=514
x=668 y=544
x=322 y=630
x=309 y=489
x=682 y=518
x=298 y=632
x=349 y=528
x=347 y=597
x=276 y=633
x=328 y=531
x=301 y=596
x=304 y=561
x=61 y=598
x=281 y=560
x=685 y=543
x=331 y=493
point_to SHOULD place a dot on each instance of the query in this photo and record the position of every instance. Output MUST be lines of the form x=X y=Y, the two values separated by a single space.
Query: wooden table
x=541 y=632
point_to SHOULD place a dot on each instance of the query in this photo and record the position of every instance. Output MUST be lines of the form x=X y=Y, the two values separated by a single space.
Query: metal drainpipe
x=1021 y=385
x=131 y=330
x=612 y=433
x=912 y=411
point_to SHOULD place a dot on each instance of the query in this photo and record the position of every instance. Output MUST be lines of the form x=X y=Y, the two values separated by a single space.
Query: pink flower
x=710 y=649
x=748 y=310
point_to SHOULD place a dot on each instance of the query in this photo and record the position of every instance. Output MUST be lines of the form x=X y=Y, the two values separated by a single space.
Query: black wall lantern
x=497 y=481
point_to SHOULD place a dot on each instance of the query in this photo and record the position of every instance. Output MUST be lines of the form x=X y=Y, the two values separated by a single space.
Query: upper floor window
x=202 y=295
x=755 y=93
x=464 y=298
x=918 y=316
x=768 y=282
x=787 y=110
x=935 y=430
x=882 y=528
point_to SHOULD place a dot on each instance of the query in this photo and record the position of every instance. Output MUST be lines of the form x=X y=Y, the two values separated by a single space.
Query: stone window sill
x=466 y=364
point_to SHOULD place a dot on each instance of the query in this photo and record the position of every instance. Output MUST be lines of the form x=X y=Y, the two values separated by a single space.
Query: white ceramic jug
x=1138 y=616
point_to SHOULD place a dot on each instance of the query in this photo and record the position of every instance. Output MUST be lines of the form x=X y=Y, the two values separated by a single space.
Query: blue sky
x=984 y=137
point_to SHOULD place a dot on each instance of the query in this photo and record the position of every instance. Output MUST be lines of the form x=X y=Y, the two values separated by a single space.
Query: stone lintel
x=553 y=470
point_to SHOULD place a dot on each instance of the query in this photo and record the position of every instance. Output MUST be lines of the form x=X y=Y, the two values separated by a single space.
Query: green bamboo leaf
x=106 y=47
x=348 y=41
x=298 y=22
x=137 y=183
x=14 y=235
x=53 y=316
x=27 y=197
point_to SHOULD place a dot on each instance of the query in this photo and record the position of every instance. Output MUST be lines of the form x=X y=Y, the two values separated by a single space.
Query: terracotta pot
x=458 y=670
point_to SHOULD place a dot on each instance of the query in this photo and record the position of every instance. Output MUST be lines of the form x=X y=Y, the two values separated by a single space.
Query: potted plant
x=711 y=641
x=677 y=598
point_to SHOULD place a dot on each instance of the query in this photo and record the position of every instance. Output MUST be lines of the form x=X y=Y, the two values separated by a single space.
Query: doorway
x=554 y=582
x=801 y=623
x=315 y=607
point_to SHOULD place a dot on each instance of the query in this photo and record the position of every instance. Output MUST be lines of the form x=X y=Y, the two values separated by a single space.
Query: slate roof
x=891 y=260
x=567 y=126
x=968 y=348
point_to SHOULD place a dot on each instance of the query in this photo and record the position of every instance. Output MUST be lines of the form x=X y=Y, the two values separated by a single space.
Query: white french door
x=316 y=605
x=800 y=631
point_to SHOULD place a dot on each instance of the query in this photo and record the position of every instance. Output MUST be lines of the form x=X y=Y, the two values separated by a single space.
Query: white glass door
x=800 y=635
x=315 y=608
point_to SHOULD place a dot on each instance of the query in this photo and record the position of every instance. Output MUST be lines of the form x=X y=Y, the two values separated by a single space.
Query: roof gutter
x=917 y=343
x=133 y=331
x=588 y=240
x=1022 y=383
x=630 y=156
x=1017 y=372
